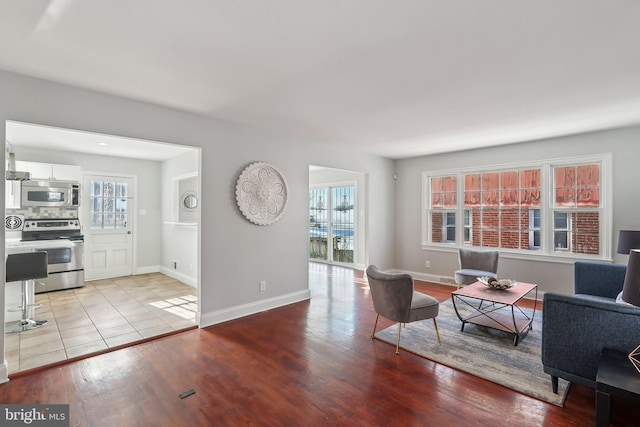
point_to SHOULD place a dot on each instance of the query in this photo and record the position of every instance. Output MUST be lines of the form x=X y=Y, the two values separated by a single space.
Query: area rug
x=481 y=351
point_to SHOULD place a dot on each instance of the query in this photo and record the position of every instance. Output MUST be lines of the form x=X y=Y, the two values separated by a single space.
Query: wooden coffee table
x=495 y=308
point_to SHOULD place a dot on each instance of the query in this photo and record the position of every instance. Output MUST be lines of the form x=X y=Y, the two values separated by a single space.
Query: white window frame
x=533 y=229
x=446 y=225
x=466 y=225
x=566 y=230
x=547 y=209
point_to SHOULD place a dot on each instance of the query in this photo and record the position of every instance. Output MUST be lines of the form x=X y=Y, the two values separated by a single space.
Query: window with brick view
x=444 y=199
x=499 y=205
x=577 y=197
x=546 y=208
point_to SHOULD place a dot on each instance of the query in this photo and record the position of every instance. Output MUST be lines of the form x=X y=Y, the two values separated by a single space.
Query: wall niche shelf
x=185 y=201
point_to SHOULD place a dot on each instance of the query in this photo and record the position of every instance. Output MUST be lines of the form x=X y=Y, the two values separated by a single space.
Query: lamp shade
x=631 y=288
x=627 y=240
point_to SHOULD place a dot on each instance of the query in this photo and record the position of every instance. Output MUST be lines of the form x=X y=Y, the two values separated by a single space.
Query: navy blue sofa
x=575 y=328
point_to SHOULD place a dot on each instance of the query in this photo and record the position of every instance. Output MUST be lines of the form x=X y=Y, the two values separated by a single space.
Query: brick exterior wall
x=585 y=227
x=437 y=223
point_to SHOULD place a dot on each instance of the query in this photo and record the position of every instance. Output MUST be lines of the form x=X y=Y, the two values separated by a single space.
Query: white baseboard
x=433 y=278
x=187 y=280
x=147 y=269
x=213 y=318
x=4 y=373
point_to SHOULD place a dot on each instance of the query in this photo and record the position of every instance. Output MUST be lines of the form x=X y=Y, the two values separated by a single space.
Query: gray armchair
x=475 y=263
x=394 y=298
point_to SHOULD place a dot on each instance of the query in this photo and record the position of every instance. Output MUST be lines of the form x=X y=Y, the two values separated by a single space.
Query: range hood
x=11 y=173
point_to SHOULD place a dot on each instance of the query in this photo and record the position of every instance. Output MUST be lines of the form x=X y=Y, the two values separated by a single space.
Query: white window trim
x=547 y=209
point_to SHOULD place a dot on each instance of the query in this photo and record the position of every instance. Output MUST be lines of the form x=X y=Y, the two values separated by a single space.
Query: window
x=109 y=205
x=467 y=226
x=443 y=191
x=534 y=229
x=561 y=231
x=498 y=203
x=576 y=205
x=450 y=227
x=547 y=207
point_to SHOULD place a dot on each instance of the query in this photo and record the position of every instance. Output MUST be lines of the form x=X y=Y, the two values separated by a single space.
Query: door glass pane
x=96 y=204
x=121 y=189
x=109 y=221
x=96 y=188
x=121 y=220
x=318 y=224
x=109 y=205
x=108 y=189
x=96 y=220
x=342 y=224
x=121 y=205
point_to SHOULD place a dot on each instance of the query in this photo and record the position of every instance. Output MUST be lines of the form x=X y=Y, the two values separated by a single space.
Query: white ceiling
x=396 y=78
x=37 y=136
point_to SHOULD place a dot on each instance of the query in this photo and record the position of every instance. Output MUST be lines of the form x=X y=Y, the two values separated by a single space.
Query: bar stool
x=26 y=267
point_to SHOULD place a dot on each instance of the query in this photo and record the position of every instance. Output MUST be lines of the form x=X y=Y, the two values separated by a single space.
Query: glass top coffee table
x=494 y=308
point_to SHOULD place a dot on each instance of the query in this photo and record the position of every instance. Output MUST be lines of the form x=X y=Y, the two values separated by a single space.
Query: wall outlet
x=427 y=264
x=263 y=285
x=174 y=263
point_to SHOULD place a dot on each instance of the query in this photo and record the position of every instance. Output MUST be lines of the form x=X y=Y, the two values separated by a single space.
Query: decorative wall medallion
x=261 y=193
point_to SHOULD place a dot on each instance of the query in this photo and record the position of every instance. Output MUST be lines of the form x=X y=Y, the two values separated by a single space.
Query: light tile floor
x=101 y=315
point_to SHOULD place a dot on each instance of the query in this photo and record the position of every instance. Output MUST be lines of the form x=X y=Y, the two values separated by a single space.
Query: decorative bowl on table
x=500 y=284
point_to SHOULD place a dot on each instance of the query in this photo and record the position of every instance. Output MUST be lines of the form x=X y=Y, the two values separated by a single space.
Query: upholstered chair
x=394 y=298
x=476 y=263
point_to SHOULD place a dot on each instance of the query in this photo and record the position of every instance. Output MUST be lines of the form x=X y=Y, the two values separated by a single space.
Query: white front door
x=107 y=206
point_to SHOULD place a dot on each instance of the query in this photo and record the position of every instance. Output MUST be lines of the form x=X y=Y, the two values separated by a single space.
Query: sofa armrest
x=598 y=278
x=576 y=329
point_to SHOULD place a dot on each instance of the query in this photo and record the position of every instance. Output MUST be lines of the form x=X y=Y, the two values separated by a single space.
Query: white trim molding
x=232 y=313
x=187 y=280
x=4 y=373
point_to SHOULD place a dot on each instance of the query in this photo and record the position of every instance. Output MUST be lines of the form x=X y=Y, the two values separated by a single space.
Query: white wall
x=179 y=241
x=551 y=276
x=235 y=254
x=148 y=194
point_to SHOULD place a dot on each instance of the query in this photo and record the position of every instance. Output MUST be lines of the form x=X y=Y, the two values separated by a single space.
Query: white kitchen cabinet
x=12 y=194
x=66 y=172
x=50 y=171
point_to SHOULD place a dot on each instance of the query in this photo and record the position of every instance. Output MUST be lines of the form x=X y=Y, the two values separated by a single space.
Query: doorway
x=332 y=224
x=337 y=231
x=157 y=299
x=108 y=217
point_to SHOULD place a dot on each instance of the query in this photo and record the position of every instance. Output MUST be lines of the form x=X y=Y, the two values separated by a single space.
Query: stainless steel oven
x=64 y=243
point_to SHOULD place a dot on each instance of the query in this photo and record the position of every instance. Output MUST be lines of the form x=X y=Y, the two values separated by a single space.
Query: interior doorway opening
x=158 y=292
x=337 y=217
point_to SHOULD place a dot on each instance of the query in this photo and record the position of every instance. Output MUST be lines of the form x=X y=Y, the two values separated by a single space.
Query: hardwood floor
x=311 y=363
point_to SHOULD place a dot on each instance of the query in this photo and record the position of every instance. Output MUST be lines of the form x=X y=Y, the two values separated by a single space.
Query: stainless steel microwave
x=50 y=193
